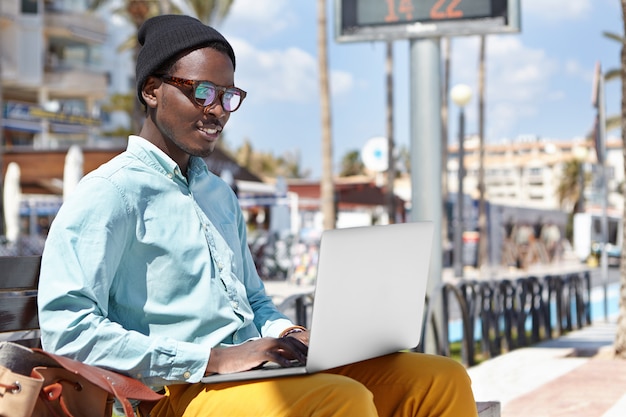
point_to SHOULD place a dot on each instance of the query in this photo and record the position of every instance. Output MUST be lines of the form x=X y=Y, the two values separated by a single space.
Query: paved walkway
x=574 y=376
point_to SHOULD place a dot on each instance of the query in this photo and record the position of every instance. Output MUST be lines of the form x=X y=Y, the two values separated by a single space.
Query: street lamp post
x=460 y=95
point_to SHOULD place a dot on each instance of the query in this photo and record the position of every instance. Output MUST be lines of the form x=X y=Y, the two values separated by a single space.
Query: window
x=29 y=6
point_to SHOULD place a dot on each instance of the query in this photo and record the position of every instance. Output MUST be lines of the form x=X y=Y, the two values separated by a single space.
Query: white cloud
x=556 y=95
x=500 y=118
x=283 y=75
x=288 y=75
x=261 y=18
x=573 y=68
x=517 y=79
x=557 y=10
x=259 y=10
x=271 y=68
x=514 y=71
x=341 y=82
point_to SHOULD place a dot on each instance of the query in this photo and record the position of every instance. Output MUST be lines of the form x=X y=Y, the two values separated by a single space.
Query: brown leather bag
x=34 y=383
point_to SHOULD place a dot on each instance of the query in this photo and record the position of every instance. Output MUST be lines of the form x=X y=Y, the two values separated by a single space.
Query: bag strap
x=121 y=386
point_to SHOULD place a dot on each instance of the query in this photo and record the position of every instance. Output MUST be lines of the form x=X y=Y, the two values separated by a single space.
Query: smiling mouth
x=211 y=131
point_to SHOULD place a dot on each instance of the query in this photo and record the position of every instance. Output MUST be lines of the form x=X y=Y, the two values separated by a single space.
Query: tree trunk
x=327 y=188
x=620 y=336
x=391 y=168
x=482 y=209
x=445 y=93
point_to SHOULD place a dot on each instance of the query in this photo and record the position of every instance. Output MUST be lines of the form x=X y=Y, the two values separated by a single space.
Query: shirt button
x=169 y=175
x=235 y=304
x=187 y=375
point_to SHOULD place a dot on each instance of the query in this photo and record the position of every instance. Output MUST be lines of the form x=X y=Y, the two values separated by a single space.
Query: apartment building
x=51 y=73
x=527 y=171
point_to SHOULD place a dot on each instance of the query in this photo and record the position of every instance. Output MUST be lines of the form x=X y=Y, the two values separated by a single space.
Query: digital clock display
x=375 y=20
x=385 y=12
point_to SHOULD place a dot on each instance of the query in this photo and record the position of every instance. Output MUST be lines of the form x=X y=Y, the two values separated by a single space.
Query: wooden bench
x=19 y=322
x=18 y=299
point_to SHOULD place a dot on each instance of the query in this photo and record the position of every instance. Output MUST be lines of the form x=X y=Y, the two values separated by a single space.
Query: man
x=146 y=269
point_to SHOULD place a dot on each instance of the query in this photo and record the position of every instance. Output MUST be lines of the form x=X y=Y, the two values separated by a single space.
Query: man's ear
x=148 y=91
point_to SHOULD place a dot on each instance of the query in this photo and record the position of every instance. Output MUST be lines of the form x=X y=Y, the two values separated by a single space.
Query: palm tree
x=327 y=187
x=614 y=121
x=620 y=337
x=138 y=11
x=482 y=209
x=447 y=48
x=266 y=164
x=391 y=161
x=570 y=190
x=351 y=164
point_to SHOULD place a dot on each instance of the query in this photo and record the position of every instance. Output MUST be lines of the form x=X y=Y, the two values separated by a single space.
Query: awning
x=23 y=125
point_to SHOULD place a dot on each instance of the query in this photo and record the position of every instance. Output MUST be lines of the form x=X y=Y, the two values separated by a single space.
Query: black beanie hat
x=164 y=37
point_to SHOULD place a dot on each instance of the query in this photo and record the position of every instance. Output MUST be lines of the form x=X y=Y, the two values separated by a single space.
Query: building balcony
x=80 y=27
x=75 y=83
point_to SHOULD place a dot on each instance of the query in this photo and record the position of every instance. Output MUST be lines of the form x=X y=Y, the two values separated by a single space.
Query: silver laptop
x=369 y=297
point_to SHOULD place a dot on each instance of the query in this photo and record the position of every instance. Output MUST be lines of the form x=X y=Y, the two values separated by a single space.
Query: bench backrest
x=19 y=277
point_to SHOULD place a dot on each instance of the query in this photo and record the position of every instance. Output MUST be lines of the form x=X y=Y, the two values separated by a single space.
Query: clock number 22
x=442 y=9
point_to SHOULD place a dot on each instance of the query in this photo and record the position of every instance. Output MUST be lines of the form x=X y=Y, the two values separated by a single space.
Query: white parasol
x=12 y=197
x=73 y=170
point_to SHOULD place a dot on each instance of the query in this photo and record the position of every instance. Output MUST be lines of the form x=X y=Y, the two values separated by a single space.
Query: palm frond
x=203 y=9
x=129 y=44
x=615 y=37
x=223 y=8
x=613 y=74
x=613 y=122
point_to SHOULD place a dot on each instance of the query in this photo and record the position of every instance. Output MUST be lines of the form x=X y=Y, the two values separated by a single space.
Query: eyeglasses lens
x=206 y=94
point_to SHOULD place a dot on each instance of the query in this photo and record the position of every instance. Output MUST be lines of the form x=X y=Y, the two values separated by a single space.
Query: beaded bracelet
x=293 y=329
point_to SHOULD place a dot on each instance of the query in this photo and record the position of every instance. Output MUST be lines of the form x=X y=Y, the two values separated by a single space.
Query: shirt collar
x=159 y=160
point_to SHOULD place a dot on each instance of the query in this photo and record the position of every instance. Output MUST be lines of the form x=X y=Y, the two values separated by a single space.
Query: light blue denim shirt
x=144 y=270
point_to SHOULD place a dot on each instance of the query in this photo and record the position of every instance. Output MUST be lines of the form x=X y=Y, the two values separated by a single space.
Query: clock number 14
x=442 y=9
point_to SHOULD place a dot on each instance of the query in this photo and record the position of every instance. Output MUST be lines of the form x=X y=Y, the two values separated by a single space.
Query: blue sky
x=539 y=81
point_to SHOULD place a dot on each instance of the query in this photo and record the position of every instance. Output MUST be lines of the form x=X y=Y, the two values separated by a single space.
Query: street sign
x=384 y=20
x=374 y=154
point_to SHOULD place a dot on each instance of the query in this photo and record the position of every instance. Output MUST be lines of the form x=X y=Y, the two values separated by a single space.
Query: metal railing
x=509 y=313
x=495 y=316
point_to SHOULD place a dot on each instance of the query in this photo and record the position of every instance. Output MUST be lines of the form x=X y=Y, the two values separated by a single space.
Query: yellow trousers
x=402 y=384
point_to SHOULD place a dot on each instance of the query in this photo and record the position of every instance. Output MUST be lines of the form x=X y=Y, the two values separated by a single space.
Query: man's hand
x=251 y=354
